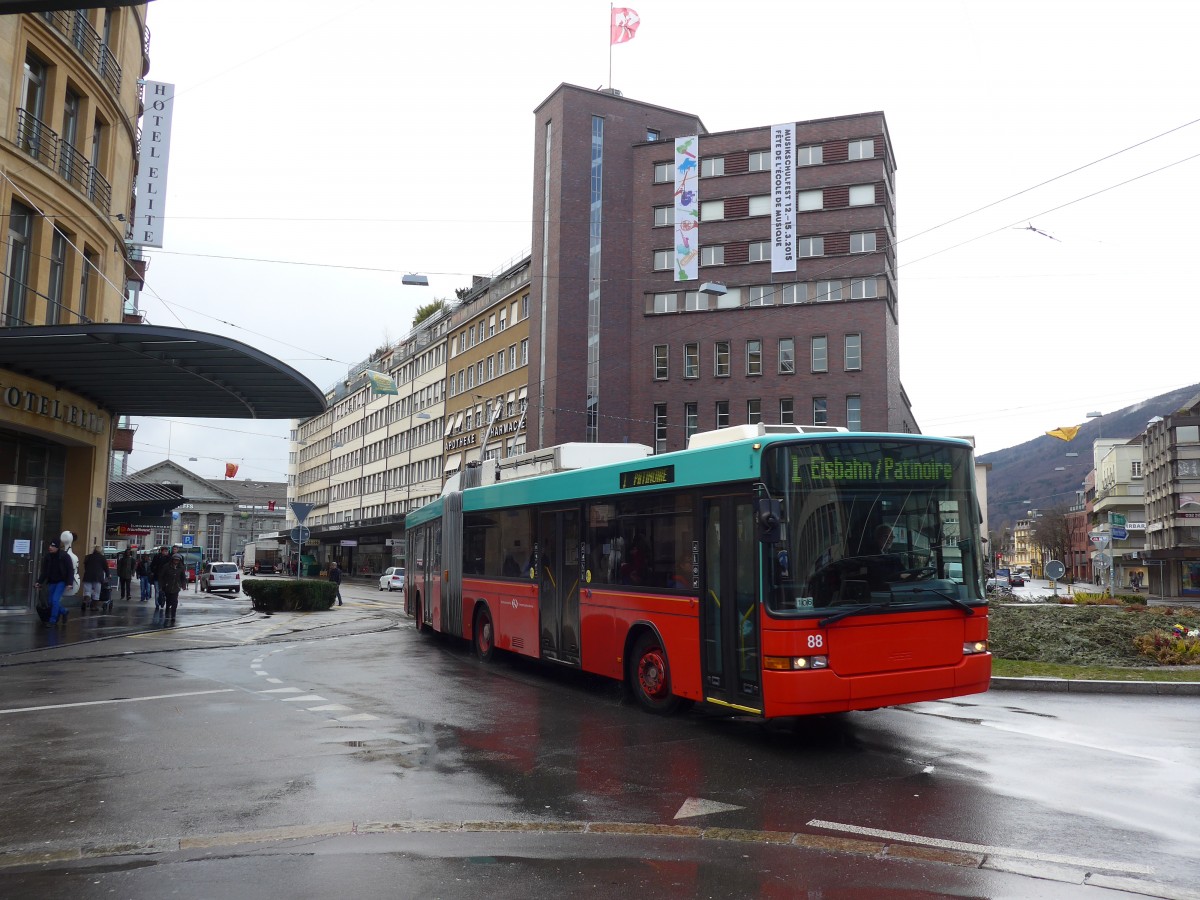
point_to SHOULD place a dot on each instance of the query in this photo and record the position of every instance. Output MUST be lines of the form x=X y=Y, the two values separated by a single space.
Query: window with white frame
x=663 y=261
x=666 y=303
x=753 y=412
x=820 y=354
x=791 y=293
x=525 y=352
x=664 y=216
x=660 y=428
x=864 y=288
x=512 y=357
x=691 y=421
x=491 y=326
x=787 y=411
x=759 y=161
x=712 y=210
x=694 y=300
x=787 y=356
x=854 y=413
x=691 y=360
x=712 y=167
x=761 y=295
x=1135 y=468
x=809 y=156
x=828 y=290
x=862 y=149
x=660 y=362
x=853 y=352
x=722 y=413
x=759 y=205
x=862 y=195
x=524 y=306
x=663 y=172
x=862 y=242
x=754 y=357
x=806 y=200
x=759 y=251
x=503 y=318
x=820 y=411
x=713 y=255
x=721 y=359
x=810 y=246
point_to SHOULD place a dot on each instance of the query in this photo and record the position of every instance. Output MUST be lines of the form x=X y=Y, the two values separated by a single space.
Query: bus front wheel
x=485 y=634
x=650 y=676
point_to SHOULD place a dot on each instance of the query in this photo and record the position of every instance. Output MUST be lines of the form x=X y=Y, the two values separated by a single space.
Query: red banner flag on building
x=230 y=470
x=625 y=24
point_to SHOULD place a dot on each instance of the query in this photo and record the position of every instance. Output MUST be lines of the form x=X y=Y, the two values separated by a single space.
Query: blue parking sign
x=189 y=540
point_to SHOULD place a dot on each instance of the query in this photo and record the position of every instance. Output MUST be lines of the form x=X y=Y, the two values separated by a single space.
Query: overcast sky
x=321 y=150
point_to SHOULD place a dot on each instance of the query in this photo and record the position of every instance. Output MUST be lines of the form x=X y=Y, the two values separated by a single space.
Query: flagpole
x=610 y=19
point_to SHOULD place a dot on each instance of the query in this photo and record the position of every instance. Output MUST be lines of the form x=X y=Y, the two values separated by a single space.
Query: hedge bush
x=287 y=594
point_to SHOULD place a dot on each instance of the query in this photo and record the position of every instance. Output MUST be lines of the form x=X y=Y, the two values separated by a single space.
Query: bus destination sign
x=648 y=477
x=883 y=469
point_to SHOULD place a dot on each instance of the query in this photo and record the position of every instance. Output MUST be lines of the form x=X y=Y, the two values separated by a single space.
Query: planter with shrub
x=304 y=595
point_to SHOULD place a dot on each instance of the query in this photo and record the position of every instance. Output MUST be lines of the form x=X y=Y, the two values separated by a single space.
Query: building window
x=525 y=352
x=660 y=428
x=721 y=359
x=787 y=412
x=691 y=421
x=662 y=260
x=16 y=293
x=862 y=242
x=722 y=414
x=512 y=358
x=660 y=362
x=862 y=195
x=503 y=319
x=712 y=210
x=754 y=357
x=820 y=412
x=691 y=360
x=787 y=356
x=759 y=251
x=761 y=295
x=809 y=156
x=853 y=352
x=854 y=413
x=525 y=306
x=791 y=293
x=810 y=246
x=828 y=290
x=712 y=256
x=652 y=134
x=753 y=412
x=491 y=332
x=712 y=167
x=663 y=173
x=664 y=216
x=863 y=288
x=1135 y=468
x=694 y=300
x=820 y=354
x=862 y=149
x=760 y=161
x=91 y=263
x=759 y=205
x=808 y=200
x=666 y=303
x=58 y=270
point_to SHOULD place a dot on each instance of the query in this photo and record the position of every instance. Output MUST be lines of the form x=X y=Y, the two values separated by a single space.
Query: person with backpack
x=58 y=573
x=172 y=578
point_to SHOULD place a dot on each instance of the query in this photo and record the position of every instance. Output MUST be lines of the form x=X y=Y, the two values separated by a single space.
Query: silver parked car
x=392 y=579
x=221 y=576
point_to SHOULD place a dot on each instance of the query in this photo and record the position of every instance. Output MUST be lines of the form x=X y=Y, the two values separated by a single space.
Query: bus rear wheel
x=650 y=676
x=485 y=634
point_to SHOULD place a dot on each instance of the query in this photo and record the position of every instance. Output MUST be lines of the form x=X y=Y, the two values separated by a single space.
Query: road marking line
x=358 y=717
x=286 y=690
x=5 y=712
x=306 y=698
x=274 y=681
x=328 y=707
x=983 y=848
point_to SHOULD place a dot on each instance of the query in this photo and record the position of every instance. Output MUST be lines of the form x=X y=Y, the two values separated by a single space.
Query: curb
x=1068 y=686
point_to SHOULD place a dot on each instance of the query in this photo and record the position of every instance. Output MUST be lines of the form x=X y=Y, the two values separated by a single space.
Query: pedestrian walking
x=160 y=559
x=58 y=573
x=142 y=570
x=126 y=568
x=335 y=575
x=95 y=573
x=172 y=578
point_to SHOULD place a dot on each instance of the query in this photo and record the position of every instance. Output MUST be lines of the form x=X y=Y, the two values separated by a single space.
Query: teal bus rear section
x=766 y=570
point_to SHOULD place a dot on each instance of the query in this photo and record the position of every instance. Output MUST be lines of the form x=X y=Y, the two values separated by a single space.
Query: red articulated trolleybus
x=766 y=570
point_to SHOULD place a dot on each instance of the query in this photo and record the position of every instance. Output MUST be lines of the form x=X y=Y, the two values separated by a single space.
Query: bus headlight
x=972 y=647
x=795 y=663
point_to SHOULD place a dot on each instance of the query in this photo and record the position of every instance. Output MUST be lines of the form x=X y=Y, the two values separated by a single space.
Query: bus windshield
x=872 y=523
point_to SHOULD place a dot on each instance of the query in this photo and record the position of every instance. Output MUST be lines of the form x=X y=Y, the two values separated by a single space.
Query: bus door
x=559 y=571
x=729 y=610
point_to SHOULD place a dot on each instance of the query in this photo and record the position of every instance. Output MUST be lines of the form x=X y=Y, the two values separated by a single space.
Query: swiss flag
x=625 y=24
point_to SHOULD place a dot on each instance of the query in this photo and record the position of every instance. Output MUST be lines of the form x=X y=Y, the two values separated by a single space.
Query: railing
x=79 y=33
x=73 y=166
x=36 y=138
x=41 y=142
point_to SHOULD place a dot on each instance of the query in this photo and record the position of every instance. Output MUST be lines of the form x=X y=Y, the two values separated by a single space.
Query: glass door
x=20 y=544
x=559 y=572
x=729 y=605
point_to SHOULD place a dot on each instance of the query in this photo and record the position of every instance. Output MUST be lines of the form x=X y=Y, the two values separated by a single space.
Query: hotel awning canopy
x=150 y=370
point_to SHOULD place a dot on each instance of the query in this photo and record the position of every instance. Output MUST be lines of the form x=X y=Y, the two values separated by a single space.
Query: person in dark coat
x=58 y=573
x=95 y=573
x=335 y=575
x=161 y=558
x=172 y=578
x=125 y=571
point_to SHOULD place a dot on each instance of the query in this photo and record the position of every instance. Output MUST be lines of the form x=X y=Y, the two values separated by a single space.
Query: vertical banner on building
x=151 y=187
x=783 y=198
x=687 y=208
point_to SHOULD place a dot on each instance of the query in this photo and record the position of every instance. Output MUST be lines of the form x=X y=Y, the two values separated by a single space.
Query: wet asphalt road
x=341 y=752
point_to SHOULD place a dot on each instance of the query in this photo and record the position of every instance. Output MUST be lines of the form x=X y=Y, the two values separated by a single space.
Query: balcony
x=79 y=33
x=123 y=439
x=41 y=142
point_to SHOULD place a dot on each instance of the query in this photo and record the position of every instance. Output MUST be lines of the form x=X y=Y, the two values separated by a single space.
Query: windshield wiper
x=967 y=608
x=846 y=613
x=855 y=610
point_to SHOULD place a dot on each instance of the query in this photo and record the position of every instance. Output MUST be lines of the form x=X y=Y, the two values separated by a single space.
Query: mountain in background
x=1027 y=471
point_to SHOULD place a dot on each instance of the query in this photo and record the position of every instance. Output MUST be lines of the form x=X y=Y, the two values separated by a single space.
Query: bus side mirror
x=767 y=513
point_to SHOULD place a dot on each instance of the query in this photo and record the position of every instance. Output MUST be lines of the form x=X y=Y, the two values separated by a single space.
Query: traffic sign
x=189 y=540
x=301 y=510
x=1055 y=570
x=1098 y=537
x=300 y=534
x=1116 y=519
x=1119 y=533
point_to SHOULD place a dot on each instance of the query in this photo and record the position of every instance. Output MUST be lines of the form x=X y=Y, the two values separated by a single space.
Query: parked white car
x=221 y=576
x=392 y=579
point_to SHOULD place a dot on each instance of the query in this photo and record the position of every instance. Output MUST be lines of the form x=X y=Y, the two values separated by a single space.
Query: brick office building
x=624 y=348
